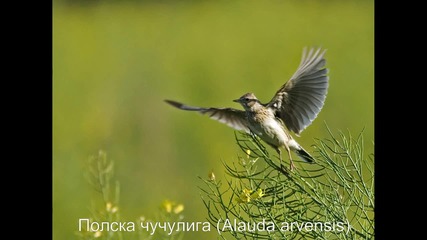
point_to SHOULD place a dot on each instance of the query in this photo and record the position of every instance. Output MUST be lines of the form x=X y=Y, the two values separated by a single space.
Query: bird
x=293 y=107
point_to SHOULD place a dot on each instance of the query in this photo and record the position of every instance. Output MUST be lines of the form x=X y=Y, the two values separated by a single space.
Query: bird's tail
x=304 y=155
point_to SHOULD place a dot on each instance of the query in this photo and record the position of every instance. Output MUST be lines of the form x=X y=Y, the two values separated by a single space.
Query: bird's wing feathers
x=300 y=99
x=231 y=117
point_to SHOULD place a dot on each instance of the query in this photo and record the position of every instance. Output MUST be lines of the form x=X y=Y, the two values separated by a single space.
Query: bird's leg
x=292 y=166
x=280 y=157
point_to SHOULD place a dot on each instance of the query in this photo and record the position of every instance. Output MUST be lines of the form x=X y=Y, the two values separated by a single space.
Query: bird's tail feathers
x=304 y=155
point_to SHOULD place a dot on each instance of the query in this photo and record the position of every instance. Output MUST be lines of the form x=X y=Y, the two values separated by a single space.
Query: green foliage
x=100 y=175
x=330 y=199
x=115 y=63
x=337 y=191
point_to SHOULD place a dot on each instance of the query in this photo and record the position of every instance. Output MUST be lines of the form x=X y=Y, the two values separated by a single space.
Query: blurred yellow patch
x=167 y=205
x=248 y=153
x=97 y=234
x=211 y=176
x=178 y=208
x=170 y=206
x=110 y=208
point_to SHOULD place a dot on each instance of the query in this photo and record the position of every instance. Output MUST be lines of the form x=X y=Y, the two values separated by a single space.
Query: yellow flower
x=167 y=205
x=97 y=234
x=109 y=207
x=247 y=195
x=114 y=209
x=259 y=193
x=211 y=176
x=248 y=153
x=178 y=208
x=170 y=206
x=247 y=191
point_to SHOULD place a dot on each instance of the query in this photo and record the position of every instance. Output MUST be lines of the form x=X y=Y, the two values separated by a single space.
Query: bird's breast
x=268 y=128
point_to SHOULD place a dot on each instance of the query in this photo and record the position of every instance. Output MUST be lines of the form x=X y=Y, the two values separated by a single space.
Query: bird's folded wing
x=231 y=117
x=300 y=99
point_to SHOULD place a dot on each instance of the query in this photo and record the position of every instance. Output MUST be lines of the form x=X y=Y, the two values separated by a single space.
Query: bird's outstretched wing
x=301 y=98
x=231 y=117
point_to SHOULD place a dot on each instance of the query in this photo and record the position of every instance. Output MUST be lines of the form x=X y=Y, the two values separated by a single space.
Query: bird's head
x=248 y=101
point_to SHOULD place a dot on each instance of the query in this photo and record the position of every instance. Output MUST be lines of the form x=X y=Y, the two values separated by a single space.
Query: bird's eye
x=246 y=99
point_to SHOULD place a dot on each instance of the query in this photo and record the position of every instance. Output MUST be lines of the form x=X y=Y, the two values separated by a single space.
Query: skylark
x=294 y=107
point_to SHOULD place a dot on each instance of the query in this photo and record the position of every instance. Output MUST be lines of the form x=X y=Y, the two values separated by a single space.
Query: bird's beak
x=236 y=100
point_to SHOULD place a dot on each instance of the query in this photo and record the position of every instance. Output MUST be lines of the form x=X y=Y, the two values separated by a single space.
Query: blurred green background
x=114 y=63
